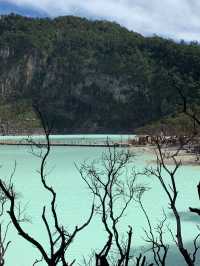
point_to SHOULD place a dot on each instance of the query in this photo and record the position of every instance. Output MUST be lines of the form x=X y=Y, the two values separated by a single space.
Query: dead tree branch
x=113 y=189
x=59 y=238
x=169 y=186
x=154 y=237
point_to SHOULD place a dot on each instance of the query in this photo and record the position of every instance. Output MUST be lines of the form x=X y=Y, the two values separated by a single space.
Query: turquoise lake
x=74 y=200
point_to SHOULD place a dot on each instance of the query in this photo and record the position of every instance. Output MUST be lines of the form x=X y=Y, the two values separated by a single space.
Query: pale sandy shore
x=183 y=156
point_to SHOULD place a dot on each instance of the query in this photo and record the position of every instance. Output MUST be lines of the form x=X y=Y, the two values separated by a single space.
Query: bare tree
x=154 y=236
x=191 y=113
x=113 y=188
x=59 y=238
x=170 y=189
x=4 y=244
x=142 y=261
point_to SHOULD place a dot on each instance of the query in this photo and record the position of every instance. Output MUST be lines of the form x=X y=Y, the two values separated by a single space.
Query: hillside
x=91 y=76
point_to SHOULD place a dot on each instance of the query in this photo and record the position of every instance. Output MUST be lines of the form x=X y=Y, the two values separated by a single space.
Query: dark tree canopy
x=93 y=76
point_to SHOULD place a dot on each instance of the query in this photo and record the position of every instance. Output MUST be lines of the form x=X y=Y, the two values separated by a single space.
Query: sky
x=176 y=19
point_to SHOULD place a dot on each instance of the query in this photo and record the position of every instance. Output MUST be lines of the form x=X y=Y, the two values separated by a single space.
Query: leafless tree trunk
x=194 y=117
x=141 y=261
x=155 y=237
x=4 y=244
x=113 y=189
x=59 y=238
x=171 y=191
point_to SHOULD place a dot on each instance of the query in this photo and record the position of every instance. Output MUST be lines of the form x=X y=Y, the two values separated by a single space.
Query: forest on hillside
x=91 y=76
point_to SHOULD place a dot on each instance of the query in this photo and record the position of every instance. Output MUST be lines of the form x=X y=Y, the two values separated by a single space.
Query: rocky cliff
x=91 y=76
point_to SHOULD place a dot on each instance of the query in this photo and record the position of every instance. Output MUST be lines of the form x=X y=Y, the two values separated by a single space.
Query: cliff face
x=91 y=76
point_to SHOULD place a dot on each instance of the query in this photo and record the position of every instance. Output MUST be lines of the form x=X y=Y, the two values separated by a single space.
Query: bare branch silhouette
x=154 y=237
x=169 y=187
x=113 y=189
x=59 y=238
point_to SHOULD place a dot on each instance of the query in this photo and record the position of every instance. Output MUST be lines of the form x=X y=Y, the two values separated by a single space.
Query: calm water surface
x=74 y=201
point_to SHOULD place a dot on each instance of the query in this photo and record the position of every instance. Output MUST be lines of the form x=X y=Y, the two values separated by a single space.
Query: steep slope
x=93 y=76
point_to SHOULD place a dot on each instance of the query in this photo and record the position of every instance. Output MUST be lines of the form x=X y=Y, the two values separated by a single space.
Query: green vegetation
x=177 y=124
x=17 y=118
x=94 y=76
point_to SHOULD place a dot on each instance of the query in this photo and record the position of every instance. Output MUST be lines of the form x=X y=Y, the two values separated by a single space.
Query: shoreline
x=185 y=157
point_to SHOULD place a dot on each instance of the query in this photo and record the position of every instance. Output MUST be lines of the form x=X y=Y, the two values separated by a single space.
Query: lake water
x=74 y=201
x=72 y=139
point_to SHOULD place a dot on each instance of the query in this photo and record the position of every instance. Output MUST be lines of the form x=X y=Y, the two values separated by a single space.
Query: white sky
x=178 y=19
